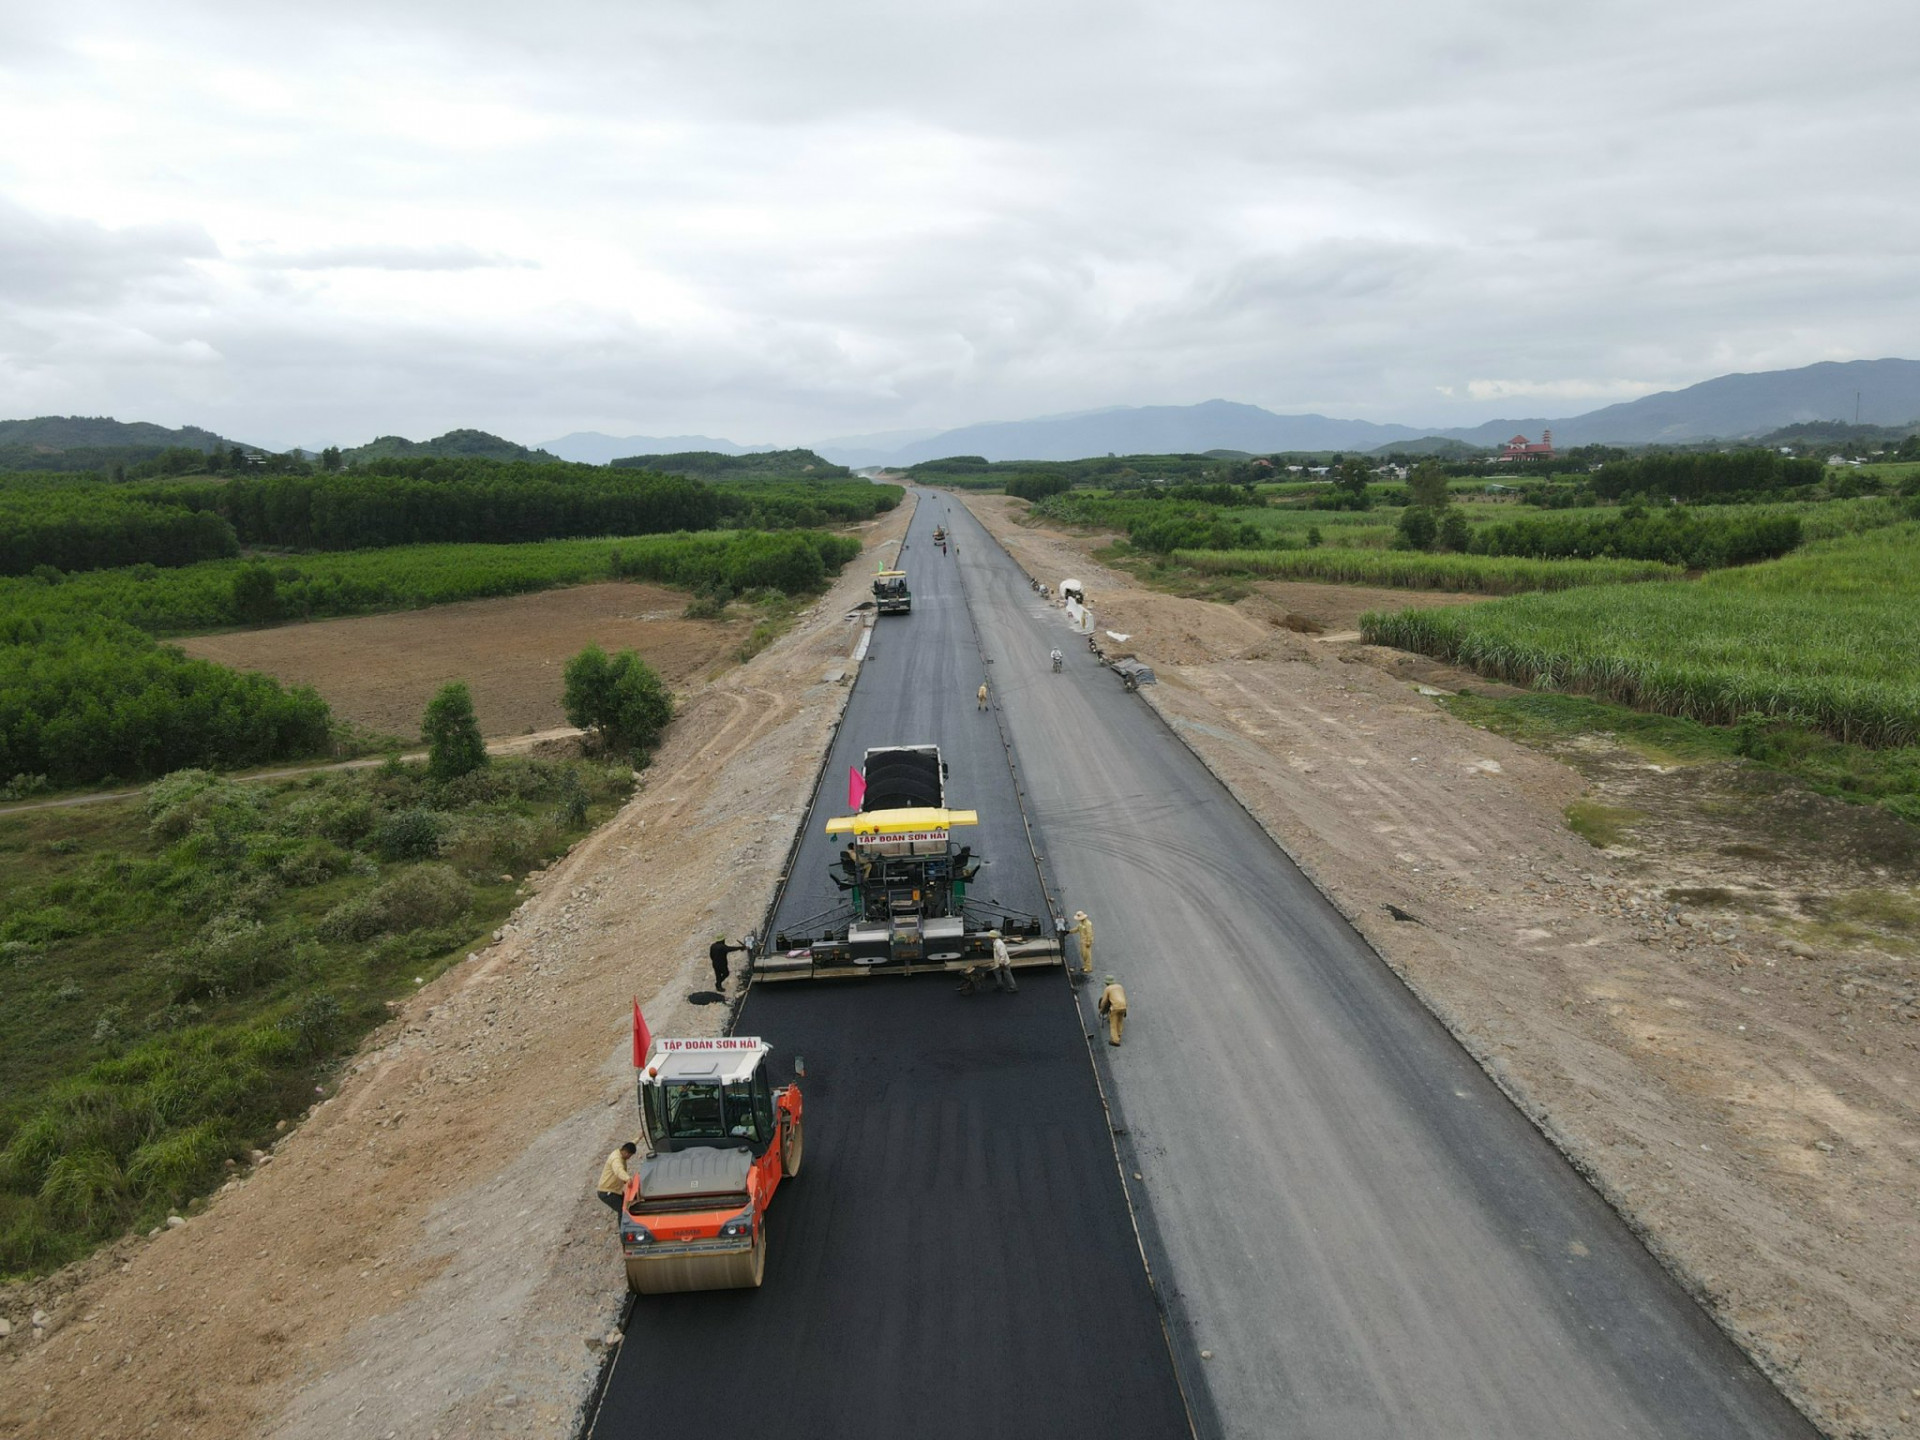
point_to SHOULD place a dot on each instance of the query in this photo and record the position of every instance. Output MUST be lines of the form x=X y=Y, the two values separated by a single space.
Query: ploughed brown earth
x=379 y=671
x=1715 y=1017
x=423 y=1255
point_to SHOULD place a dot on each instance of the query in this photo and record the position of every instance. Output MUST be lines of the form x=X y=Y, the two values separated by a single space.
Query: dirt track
x=423 y=1256
x=1755 y=1119
x=380 y=671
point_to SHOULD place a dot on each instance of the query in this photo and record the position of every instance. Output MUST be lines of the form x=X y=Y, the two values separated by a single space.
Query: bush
x=1455 y=533
x=84 y=1187
x=412 y=900
x=411 y=834
x=179 y=1164
x=314 y=863
x=1417 y=529
x=454 y=745
x=619 y=698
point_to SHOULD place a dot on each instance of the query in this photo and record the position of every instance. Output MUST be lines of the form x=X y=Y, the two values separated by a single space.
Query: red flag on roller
x=856 y=789
x=642 y=1037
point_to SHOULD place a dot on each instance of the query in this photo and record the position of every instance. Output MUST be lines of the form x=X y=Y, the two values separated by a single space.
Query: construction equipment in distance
x=905 y=884
x=719 y=1140
x=890 y=593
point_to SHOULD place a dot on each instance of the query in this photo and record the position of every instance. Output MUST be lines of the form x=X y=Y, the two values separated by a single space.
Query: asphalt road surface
x=956 y=1258
x=1340 y=1208
x=1344 y=1210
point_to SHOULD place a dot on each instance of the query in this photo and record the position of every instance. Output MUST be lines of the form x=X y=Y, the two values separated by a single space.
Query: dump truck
x=719 y=1138
x=890 y=593
x=906 y=885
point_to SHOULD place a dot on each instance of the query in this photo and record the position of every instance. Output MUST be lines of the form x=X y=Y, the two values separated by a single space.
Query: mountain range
x=1730 y=407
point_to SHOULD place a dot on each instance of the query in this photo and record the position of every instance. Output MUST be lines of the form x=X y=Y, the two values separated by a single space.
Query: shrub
x=412 y=900
x=411 y=834
x=454 y=745
x=1417 y=529
x=314 y=863
x=84 y=1187
x=178 y=1164
x=619 y=698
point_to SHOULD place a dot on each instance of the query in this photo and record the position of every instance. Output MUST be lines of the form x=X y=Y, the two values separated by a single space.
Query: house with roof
x=1521 y=448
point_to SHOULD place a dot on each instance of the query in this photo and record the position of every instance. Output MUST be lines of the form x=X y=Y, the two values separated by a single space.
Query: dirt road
x=423 y=1255
x=1754 y=1120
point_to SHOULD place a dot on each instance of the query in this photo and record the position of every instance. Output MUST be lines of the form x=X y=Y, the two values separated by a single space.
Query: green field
x=1827 y=638
x=208 y=596
x=177 y=971
x=1412 y=570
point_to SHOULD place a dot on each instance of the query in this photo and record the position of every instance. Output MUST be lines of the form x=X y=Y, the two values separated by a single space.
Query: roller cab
x=720 y=1138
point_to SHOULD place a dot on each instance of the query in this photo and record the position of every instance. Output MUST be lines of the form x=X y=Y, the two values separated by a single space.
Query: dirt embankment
x=423 y=1255
x=1751 y=1102
x=380 y=671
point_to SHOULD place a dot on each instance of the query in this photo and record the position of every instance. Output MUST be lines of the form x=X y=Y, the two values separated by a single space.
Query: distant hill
x=1443 y=446
x=1735 y=407
x=475 y=444
x=757 y=465
x=590 y=447
x=98 y=432
x=1730 y=407
x=1155 y=430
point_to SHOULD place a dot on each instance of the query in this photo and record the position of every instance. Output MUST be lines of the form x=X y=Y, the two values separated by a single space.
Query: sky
x=780 y=222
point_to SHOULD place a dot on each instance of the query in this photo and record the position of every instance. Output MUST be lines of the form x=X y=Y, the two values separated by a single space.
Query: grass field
x=177 y=971
x=210 y=596
x=1412 y=570
x=1827 y=638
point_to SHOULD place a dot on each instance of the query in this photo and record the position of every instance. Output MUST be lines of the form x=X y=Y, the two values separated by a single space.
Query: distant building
x=1521 y=448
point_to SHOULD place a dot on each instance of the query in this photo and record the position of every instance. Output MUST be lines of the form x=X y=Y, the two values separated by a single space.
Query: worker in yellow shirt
x=1113 y=1005
x=612 y=1188
x=1083 y=927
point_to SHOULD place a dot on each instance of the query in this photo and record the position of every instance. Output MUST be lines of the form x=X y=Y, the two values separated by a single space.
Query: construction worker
x=717 y=953
x=1113 y=1005
x=981 y=694
x=1003 y=965
x=1083 y=927
x=612 y=1187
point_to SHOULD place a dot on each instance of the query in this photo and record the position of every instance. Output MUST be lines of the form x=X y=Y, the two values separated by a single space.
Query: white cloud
x=755 y=218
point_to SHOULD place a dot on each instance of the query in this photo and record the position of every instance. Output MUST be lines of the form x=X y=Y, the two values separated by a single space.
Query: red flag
x=856 y=789
x=642 y=1037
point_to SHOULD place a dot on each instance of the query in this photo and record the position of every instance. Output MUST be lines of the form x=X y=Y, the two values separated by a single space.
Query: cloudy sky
x=779 y=221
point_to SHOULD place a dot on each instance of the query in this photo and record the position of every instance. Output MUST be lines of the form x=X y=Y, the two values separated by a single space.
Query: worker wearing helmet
x=1113 y=1005
x=1083 y=927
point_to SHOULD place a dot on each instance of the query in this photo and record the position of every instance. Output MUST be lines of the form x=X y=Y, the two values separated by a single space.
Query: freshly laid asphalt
x=1342 y=1211
x=956 y=1258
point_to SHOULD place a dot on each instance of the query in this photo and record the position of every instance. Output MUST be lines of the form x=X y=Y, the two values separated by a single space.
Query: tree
x=1455 y=532
x=619 y=698
x=1427 y=484
x=1351 y=481
x=454 y=746
x=256 y=594
x=330 y=459
x=1418 y=528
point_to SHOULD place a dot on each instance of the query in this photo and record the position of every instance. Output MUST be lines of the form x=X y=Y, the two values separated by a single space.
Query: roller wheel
x=793 y=1150
x=676 y=1275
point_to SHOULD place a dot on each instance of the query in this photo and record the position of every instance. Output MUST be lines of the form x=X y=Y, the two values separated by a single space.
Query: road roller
x=719 y=1138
